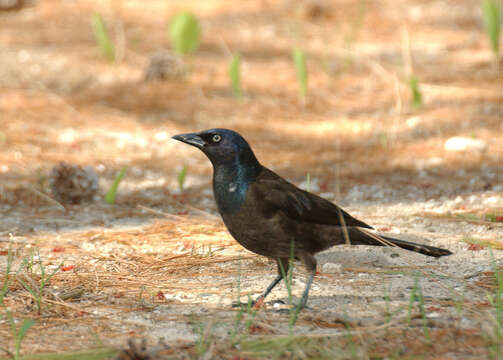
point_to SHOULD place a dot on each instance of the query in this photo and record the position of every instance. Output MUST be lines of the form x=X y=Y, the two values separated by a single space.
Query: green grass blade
x=102 y=38
x=299 y=60
x=417 y=97
x=25 y=326
x=28 y=288
x=6 y=281
x=184 y=31
x=181 y=177
x=46 y=279
x=235 y=74
x=95 y=354
x=112 y=192
x=412 y=299
x=492 y=20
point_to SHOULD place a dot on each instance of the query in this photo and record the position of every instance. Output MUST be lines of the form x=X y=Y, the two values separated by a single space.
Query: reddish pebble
x=475 y=247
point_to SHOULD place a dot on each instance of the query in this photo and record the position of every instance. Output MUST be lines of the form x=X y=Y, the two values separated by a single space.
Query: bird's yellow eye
x=216 y=138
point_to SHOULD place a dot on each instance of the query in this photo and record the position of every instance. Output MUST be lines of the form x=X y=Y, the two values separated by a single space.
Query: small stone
x=459 y=143
x=413 y=121
x=331 y=268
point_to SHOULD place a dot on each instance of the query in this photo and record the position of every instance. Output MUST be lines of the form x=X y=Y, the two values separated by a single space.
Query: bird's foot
x=257 y=304
x=282 y=308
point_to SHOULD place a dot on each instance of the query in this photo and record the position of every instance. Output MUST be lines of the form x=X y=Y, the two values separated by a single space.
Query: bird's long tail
x=362 y=236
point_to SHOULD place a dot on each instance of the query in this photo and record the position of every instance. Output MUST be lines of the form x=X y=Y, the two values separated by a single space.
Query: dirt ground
x=159 y=264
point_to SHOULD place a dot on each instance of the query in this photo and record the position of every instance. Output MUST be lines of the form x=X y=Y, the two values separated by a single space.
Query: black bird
x=269 y=215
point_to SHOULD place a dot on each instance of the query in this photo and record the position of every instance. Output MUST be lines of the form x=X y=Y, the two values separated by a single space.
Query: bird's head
x=221 y=146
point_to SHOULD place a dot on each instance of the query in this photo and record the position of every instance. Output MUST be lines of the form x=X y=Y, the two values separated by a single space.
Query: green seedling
x=249 y=311
x=412 y=298
x=101 y=353
x=383 y=140
x=112 y=192
x=491 y=10
x=422 y=310
x=493 y=217
x=184 y=31
x=182 y=175
x=308 y=182
x=17 y=333
x=288 y=278
x=417 y=97
x=387 y=299
x=37 y=290
x=299 y=59
x=235 y=74
x=353 y=347
x=292 y=347
x=6 y=280
x=417 y=295
x=205 y=338
x=102 y=37
x=496 y=301
x=239 y=315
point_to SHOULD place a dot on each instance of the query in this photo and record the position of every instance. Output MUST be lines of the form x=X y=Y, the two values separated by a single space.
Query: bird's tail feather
x=379 y=240
x=420 y=248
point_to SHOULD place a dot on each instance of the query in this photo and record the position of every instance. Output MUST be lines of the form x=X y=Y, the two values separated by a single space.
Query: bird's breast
x=229 y=196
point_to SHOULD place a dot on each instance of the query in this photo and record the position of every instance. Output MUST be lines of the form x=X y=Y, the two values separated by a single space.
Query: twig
x=47 y=198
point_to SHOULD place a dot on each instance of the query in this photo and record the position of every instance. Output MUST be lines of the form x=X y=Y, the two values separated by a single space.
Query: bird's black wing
x=300 y=205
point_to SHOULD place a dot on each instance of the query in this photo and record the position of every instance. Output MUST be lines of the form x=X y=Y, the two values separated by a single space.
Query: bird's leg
x=305 y=295
x=310 y=263
x=283 y=266
x=271 y=286
x=260 y=300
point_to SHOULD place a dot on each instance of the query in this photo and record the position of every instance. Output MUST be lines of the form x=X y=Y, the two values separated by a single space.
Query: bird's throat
x=230 y=185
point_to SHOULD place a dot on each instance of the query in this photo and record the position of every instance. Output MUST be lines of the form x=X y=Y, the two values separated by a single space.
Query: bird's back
x=275 y=212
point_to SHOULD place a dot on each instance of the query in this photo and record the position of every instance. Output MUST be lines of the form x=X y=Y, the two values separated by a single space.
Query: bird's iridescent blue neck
x=230 y=183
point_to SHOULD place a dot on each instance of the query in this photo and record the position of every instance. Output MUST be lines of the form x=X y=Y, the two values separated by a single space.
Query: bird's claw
x=257 y=304
x=288 y=309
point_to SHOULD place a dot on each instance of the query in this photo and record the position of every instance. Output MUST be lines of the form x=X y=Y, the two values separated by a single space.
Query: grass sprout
x=18 y=333
x=417 y=97
x=288 y=278
x=36 y=289
x=102 y=37
x=235 y=74
x=299 y=60
x=491 y=10
x=100 y=353
x=184 y=31
x=182 y=175
x=496 y=301
x=412 y=298
x=112 y=192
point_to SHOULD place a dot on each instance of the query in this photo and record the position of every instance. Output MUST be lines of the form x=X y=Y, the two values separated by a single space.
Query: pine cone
x=164 y=65
x=72 y=183
x=140 y=352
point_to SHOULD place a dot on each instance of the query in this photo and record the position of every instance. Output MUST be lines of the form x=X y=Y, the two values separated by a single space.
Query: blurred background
x=353 y=92
x=392 y=108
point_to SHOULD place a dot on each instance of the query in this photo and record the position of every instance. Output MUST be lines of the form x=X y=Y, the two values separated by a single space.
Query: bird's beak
x=191 y=139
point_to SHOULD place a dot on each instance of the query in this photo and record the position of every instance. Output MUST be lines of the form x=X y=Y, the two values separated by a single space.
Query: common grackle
x=270 y=216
